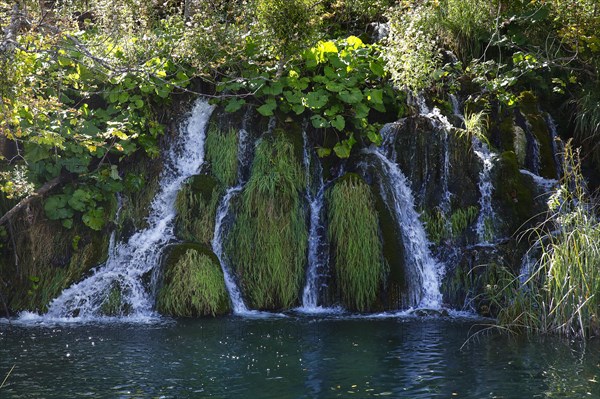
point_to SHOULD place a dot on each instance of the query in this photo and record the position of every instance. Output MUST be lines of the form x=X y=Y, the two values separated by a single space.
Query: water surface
x=291 y=357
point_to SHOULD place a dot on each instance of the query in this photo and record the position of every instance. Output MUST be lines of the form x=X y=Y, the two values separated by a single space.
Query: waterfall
x=235 y=296
x=485 y=220
x=130 y=262
x=557 y=145
x=317 y=243
x=442 y=123
x=424 y=272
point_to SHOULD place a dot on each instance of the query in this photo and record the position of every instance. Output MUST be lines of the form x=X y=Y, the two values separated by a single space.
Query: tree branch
x=40 y=192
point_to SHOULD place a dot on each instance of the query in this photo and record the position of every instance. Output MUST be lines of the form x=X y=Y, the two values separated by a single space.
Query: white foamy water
x=130 y=263
x=424 y=273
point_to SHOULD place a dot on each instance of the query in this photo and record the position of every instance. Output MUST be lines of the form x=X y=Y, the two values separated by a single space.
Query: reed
x=357 y=248
x=268 y=240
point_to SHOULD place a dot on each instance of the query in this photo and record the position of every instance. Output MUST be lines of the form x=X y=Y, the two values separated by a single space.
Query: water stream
x=317 y=241
x=130 y=262
x=424 y=273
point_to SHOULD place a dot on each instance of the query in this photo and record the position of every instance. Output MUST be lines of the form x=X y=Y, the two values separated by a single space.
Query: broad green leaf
x=316 y=99
x=354 y=42
x=323 y=152
x=353 y=96
x=377 y=68
x=319 y=122
x=342 y=149
x=268 y=108
x=338 y=122
x=374 y=96
x=234 y=104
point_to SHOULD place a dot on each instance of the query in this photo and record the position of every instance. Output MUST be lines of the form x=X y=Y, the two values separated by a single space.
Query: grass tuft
x=357 y=248
x=268 y=240
x=193 y=286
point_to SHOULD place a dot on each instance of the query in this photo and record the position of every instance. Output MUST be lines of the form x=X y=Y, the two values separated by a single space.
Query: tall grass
x=563 y=293
x=196 y=207
x=194 y=286
x=357 y=248
x=268 y=240
x=222 y=154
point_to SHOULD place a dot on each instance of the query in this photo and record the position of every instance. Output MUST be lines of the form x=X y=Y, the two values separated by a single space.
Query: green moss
x=357 y=249
x=222 y=154
x=268 y=240
x=193 y=284
x=196 y=207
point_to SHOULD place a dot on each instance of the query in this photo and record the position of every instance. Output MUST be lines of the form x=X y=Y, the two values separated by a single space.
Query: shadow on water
x=291 y=357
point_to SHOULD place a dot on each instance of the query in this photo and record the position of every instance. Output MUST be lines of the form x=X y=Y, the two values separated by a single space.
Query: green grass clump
x=196 y=207
x=440 y=227
x=357 y=248
x=563 y=294
x=268 y=240
x=222 y=154
x=193 y=285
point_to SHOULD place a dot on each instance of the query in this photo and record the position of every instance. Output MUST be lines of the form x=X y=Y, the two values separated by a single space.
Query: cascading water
x=235 y=295
x=130 y=262
x=557 y=145
x=245 y=147
x=317 y=244
x=487 y=216
x=441 y=123
x=424 y=272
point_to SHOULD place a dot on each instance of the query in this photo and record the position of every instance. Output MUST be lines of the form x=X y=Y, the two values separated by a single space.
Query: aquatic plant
x=268 y=240
x=357 y=248
x=193 y=284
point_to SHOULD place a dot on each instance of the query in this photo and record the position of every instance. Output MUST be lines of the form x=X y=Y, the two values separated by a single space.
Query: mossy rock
x=513 y=194
x=268 y=240
x=357 y=250
x=193 y=283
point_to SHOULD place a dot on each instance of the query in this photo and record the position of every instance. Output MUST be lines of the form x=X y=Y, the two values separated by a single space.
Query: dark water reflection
x=291 y=358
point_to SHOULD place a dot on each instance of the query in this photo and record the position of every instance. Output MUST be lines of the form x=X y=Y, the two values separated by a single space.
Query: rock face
x=266 y=234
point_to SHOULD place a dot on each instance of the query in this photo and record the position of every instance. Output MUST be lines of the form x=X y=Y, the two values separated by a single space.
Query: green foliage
x=337 y=83
x=357 y=248
x=268 y=240
x=290 y=24
x=196 y=207
x=411 y=50
x=193 y=285
x=222 y=154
